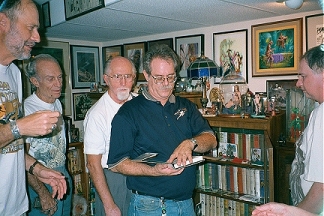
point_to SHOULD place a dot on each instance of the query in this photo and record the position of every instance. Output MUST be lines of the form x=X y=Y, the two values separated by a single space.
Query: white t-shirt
x=50 y=149
x=97 y=127
x=307 y=166
x=13 y=196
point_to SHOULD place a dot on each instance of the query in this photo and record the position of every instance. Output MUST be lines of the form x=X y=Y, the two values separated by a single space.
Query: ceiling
x=129 y=18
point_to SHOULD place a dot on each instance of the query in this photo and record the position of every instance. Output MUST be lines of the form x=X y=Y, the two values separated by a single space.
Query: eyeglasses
x=120 y=77
x=160 y=79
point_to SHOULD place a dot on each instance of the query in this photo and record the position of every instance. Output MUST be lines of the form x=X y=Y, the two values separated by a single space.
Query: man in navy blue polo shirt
x=159 y=122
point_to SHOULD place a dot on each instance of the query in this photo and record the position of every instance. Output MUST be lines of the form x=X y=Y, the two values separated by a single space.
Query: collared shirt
x=144 y=125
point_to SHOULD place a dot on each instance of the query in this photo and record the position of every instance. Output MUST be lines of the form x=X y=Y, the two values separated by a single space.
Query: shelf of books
x=238 y=175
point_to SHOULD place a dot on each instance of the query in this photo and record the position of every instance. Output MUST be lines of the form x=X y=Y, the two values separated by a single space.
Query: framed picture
x=230 y=53
x=60 y=51
x=189 y=48
x=77 y=8
x=278 y=89
x=108 y=53
x=314 y=30
x=85 y=66
x=167 y=41
x=136 y=52
x=46 y=14
x=82 y=102
x=276 y=48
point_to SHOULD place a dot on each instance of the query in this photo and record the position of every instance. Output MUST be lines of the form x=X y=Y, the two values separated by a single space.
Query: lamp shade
x=203 y=67
x=294 y=4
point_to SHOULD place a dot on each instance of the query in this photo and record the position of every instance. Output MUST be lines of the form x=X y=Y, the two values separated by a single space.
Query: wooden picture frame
x=189 y=48
x=108 y=53
x=46 y=14
x=276 y=48
x=82 y=102
x=167 y=41
x=60 y=51
x=314 y=30
x=85 y=66
x=77 y=8
x=136 y=52
x=230 y=53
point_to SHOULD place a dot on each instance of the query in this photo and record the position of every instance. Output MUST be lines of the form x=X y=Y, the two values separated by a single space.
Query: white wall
x=256 y=84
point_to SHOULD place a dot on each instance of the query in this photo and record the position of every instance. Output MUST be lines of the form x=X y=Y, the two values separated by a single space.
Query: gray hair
x=108 y=62
x=315 y=58
x=31 y=68
x=11 y=8
x=161 y=51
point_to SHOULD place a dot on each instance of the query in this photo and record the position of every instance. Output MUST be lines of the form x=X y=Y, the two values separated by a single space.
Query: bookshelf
x=234 y=178
x=77 y=169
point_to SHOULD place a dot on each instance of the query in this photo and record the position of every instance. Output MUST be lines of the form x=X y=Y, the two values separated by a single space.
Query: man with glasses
x=159 y=122
x=113 y=195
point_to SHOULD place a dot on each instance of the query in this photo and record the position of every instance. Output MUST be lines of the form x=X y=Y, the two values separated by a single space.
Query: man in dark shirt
x=159 y=122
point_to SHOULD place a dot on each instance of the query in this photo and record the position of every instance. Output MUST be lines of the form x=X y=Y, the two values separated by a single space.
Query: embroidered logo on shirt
x=180 y=113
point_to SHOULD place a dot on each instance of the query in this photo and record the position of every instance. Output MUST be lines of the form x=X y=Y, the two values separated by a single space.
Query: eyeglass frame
x=164 y=78
x=120 y=77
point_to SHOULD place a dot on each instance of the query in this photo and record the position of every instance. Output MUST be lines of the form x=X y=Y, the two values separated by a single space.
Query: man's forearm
x=313 y=202
x=6 y=136
x=37 y=185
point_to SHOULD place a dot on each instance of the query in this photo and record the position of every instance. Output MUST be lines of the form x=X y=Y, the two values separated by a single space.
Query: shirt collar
x=148 y=96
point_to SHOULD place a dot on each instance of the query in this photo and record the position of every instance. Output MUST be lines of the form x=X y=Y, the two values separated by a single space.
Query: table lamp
x=203 y=68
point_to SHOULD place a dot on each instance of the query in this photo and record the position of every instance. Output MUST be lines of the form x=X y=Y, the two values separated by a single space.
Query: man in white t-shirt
x=18 y=34
x=114 y=197
x=45 y=75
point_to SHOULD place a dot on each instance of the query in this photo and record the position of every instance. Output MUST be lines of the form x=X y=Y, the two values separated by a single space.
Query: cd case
x=147 y=158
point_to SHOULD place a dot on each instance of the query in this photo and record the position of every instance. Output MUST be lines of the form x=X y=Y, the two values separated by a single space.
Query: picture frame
x=108 y=53
x=167 y=41
x=189 y=48
x=46 y=15
x=136 y=52
x=60 y=51
x=84 y=65
x=278 y=89
x=276 y=48
x=230 y=53
x=314 y=30
x=82 y=102
x=77 y=8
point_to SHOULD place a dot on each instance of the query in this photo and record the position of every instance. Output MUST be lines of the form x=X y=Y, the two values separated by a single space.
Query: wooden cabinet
x=192 y=96
x=268 y=131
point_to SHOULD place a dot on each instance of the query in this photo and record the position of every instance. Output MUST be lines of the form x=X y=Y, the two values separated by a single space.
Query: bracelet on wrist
x=31 y=168
x=14 y=129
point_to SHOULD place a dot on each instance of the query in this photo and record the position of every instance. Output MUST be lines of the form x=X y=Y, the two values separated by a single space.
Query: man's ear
x=146 y=75
x=4 y=21
x=34 y=81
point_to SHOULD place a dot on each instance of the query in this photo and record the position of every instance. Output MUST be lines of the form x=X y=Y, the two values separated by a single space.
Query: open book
x=147 y=158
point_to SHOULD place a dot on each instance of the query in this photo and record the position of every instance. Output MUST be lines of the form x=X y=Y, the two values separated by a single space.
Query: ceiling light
x=294 y=4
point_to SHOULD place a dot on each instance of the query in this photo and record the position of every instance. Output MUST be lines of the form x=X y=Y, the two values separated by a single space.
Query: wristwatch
x=194 y=141
x=14 y=129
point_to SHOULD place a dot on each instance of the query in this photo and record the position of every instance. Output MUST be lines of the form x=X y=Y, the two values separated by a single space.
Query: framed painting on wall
x=85 y=66
x=276 y=48
x=109 y=53
x=136 y=52
x=167 y=41
x=82 y=102
x=189 y=48
x=230 y=53
x=60 y=51
x=77 y=8
x=314 y=30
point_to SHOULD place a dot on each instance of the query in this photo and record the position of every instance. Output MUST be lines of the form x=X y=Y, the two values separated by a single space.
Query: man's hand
x=48 y=203
x=182 y=153
x=38 y=124
x=113 y=210
x=167 y=169
x=53 y=178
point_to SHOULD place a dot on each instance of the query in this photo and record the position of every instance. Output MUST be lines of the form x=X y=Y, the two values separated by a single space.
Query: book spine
x=235 y=169
x=262 y=183
x=224 y=183
x=244 y=146
x=252 y=182
x=248 y=181
x=239 y=180
x=228 y=178
x=257 y=182
x=203 y=203
x=220 y=180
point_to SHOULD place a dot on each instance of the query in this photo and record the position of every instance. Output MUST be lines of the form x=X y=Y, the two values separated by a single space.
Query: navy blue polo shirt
x=143 y=125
